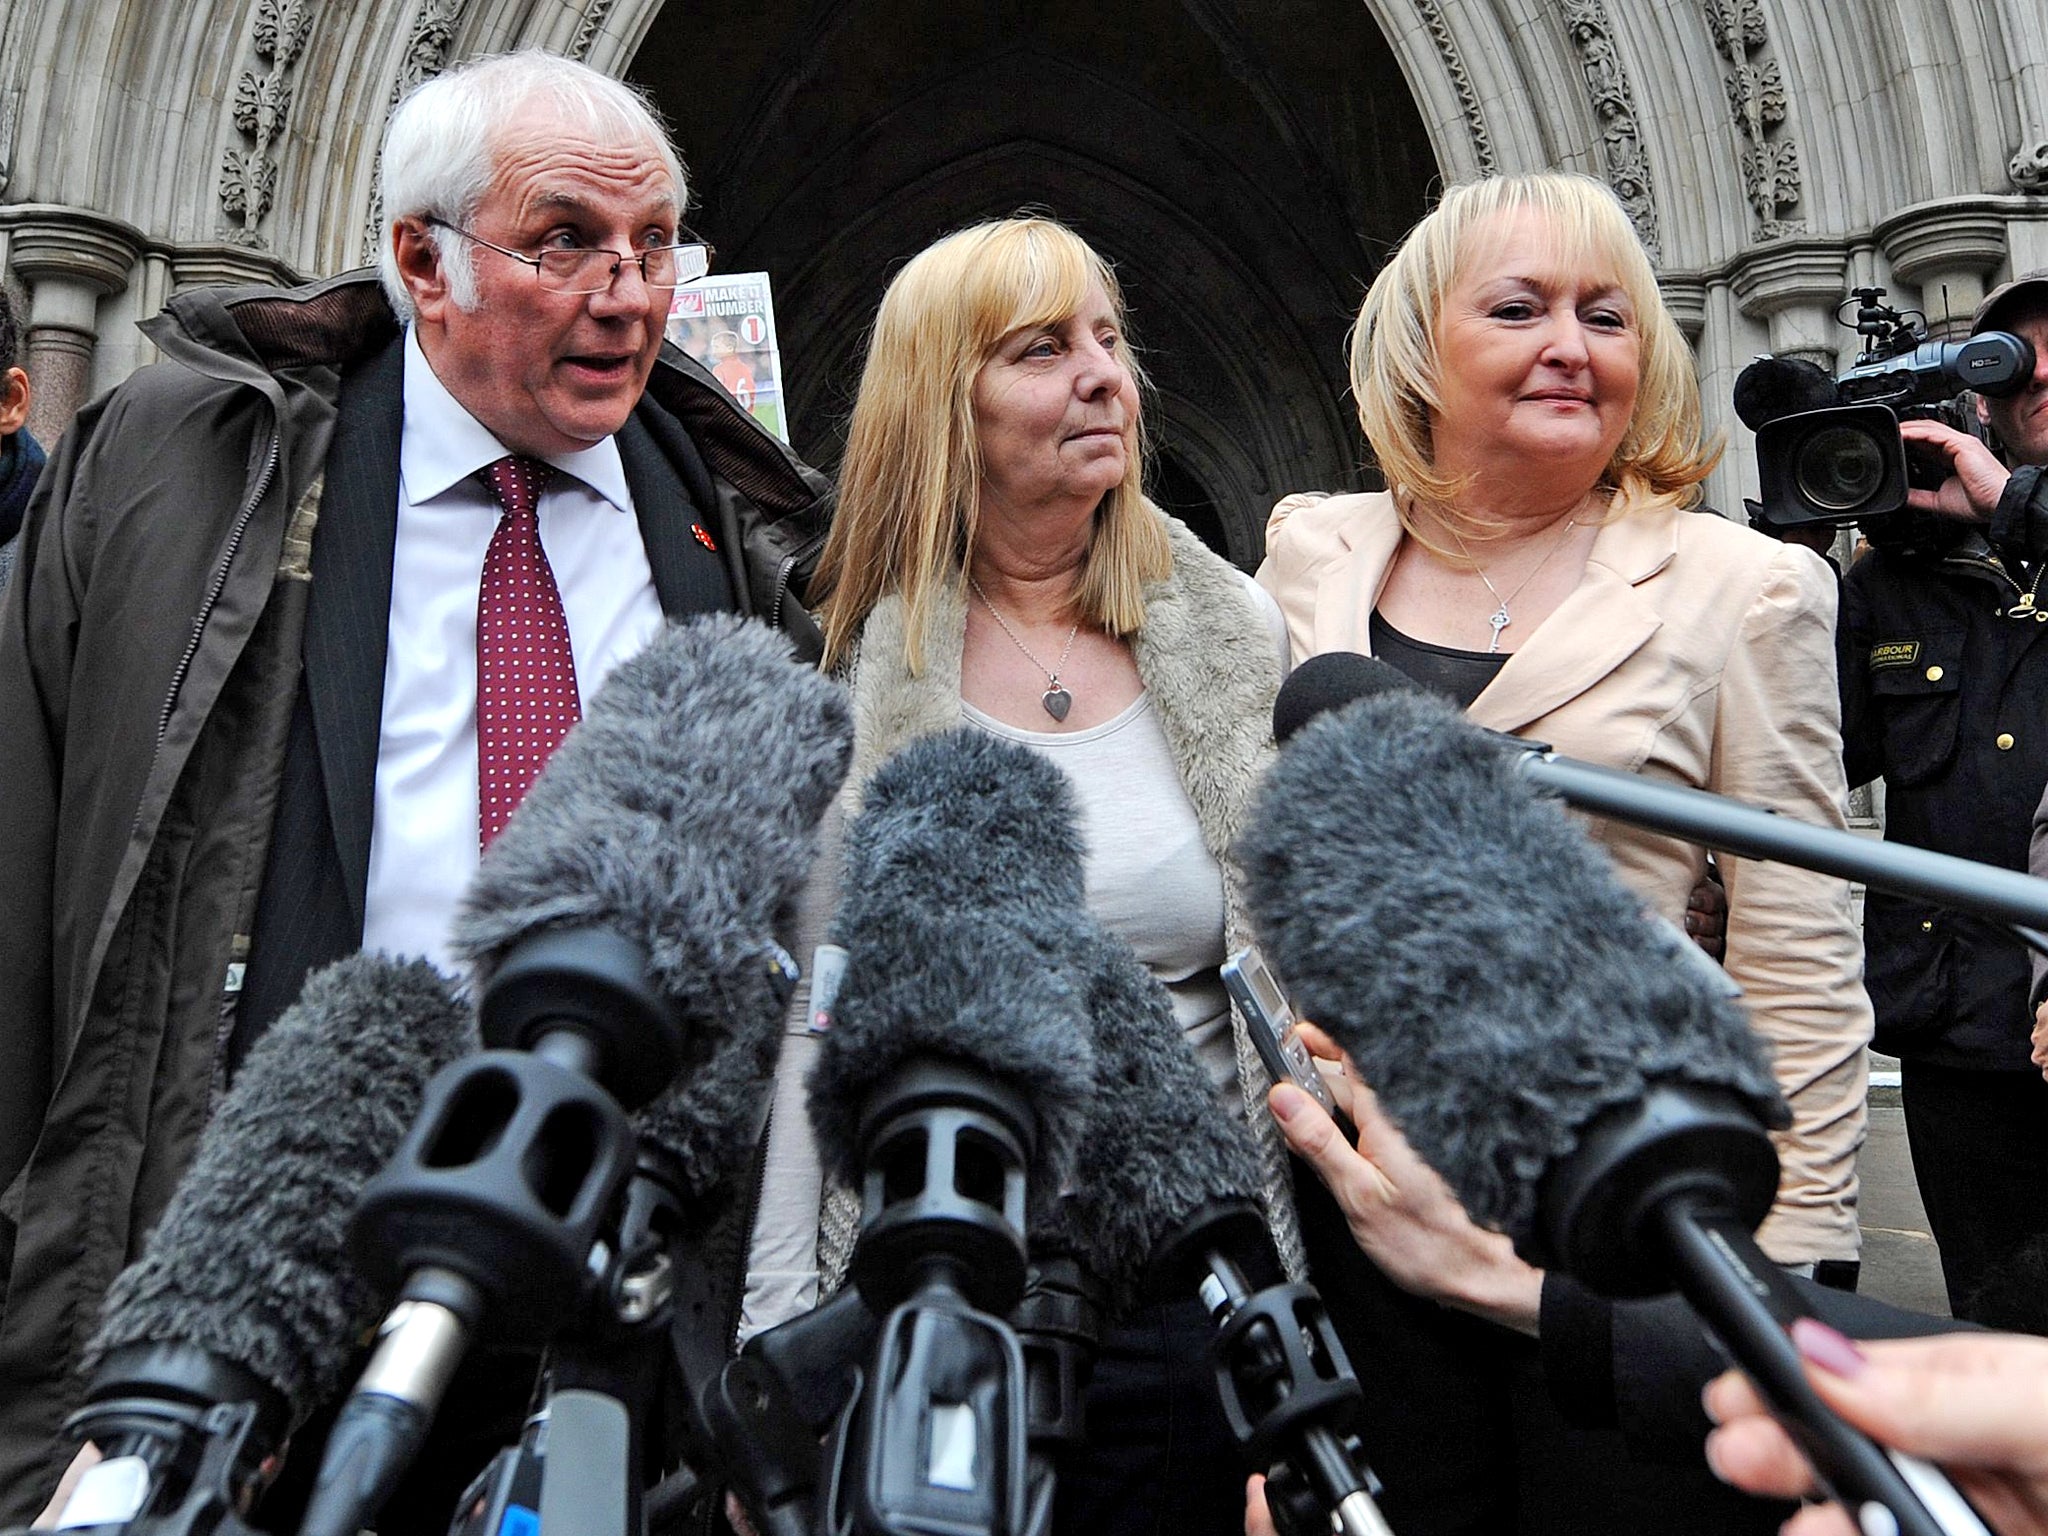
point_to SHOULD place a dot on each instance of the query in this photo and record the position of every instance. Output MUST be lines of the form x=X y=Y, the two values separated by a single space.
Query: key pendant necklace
x=1499 y=619
x=1057 y=700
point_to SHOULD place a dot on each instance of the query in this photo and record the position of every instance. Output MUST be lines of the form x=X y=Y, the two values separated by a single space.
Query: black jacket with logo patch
x=1944 y=672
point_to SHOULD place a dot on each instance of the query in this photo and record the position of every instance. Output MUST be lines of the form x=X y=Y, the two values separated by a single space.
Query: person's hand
x=1977 y=1403
x=87 y=1457
x=1706 y=916
x=1976 y=479
x=2041 y=1038
x=1258 y=1519
x=1400 y=1211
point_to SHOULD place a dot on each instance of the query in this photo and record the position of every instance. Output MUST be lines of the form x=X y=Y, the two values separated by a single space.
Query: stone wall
x=1772 y=152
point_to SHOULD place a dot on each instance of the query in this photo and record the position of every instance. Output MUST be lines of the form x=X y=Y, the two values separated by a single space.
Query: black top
x=1461 y=676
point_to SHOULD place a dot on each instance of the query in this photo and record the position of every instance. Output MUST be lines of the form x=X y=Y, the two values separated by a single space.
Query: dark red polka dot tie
x=525 y=674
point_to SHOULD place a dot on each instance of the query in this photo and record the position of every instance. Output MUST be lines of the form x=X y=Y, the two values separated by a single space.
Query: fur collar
x=1205 y=655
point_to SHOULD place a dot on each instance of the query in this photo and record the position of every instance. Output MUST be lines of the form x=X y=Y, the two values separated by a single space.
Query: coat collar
x=1603 y=621
x=1204 y=655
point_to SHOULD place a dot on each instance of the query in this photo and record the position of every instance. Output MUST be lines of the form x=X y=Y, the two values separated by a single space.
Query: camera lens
x=1839 y=469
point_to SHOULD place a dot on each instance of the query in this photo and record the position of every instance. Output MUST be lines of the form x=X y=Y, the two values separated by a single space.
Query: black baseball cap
x=2027 y=286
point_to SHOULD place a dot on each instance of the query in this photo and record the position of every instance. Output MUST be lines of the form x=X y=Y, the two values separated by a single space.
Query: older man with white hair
x=257 y=705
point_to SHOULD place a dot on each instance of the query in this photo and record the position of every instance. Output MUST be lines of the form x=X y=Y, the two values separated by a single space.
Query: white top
x=1150 y=879
x=423 y=837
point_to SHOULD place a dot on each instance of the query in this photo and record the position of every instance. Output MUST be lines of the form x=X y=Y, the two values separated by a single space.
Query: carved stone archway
x=1774 y=151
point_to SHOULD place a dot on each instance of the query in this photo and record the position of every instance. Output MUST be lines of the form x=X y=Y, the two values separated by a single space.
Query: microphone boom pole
x=1727 y=825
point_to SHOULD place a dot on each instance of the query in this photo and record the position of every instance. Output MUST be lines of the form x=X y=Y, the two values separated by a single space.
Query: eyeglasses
x=595 y=270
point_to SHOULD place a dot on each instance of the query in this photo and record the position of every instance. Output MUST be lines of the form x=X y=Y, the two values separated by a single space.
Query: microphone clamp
x=120 y=1494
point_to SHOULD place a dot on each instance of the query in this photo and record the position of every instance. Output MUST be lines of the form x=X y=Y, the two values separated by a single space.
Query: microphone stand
x=1667 y=1192
x=494 y=1214
x=1284 y=1382
x=182 y=1435
x=758 y=1425
x=1059 y=1328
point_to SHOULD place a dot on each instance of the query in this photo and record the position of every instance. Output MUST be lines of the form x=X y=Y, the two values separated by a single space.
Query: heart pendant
x=1057 y=702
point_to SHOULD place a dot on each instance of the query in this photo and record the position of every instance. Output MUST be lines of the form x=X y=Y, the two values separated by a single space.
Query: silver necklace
x=1499 y=617
x=1057 y=700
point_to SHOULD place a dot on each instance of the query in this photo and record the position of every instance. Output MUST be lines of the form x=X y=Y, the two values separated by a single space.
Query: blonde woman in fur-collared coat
x=993 y=563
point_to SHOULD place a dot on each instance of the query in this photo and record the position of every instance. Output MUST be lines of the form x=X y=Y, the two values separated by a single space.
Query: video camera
x=1829 y=451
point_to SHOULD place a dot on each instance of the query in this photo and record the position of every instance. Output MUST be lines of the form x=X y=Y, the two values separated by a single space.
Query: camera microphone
x=1771 y=387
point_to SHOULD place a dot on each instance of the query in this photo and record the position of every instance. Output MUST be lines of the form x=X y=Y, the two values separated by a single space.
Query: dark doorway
x=1244 y=163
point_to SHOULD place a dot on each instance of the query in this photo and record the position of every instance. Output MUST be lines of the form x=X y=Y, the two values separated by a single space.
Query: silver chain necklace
x=1057 y=700
x=1499 y=617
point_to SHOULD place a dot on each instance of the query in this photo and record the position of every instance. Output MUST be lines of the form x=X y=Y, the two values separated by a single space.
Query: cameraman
x=1944 y=673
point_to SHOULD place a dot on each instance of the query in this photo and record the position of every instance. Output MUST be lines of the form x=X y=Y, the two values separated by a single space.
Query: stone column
x=1945 y=250
x=1794 y=287
x=69 y=258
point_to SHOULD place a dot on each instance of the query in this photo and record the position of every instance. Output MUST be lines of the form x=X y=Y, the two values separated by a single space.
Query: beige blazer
x=1702 y=653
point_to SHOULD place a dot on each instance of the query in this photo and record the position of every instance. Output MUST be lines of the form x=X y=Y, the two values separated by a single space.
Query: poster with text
x=727 y=322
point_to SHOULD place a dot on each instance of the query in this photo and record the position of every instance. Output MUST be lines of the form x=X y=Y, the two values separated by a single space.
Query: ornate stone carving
x=1771 y=170
x=2028 y=167
x=1614 y=106
x=1737 y=25
x=1756 y=97
x=593 y=22
x=1432 y=15
x=1756 y=102
x=263 y=99
x=426 y=55
x=426 y=47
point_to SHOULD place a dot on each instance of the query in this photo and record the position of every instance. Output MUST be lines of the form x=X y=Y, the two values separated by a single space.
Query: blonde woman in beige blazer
x=1700 y=653
x=1535 y=413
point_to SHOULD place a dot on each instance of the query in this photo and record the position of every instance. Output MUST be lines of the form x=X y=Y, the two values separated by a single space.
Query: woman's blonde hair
x=1395 y=358
x=910 y=483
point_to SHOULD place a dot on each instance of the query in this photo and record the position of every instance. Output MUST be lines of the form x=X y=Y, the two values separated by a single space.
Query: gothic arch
x=1775 y=149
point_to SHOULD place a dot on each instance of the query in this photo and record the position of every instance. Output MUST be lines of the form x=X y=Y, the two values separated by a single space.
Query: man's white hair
x=440 y=150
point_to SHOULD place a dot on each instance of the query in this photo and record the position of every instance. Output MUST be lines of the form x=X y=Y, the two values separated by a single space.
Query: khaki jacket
x=1700 y=653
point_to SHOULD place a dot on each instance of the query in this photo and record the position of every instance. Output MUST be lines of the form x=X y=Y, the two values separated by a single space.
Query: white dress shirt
x=423 y=838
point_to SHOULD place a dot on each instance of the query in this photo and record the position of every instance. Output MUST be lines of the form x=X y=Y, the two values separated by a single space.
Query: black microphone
x=621 y=929
x=244 y=1294
x=952 y=1090
x=680 y=816
x=1167 y=1203
x=1337 y=678
x=1581 y=1079
x=962 y=874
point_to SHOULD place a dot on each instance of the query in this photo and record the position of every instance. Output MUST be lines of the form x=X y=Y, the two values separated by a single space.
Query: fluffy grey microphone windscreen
x=682 y=814
x=1473 y=951
x=961 y=899
x=1161 y=1145
x=249 y=1262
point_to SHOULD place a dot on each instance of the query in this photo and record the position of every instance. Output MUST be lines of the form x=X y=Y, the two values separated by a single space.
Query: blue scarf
x=21 y=463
